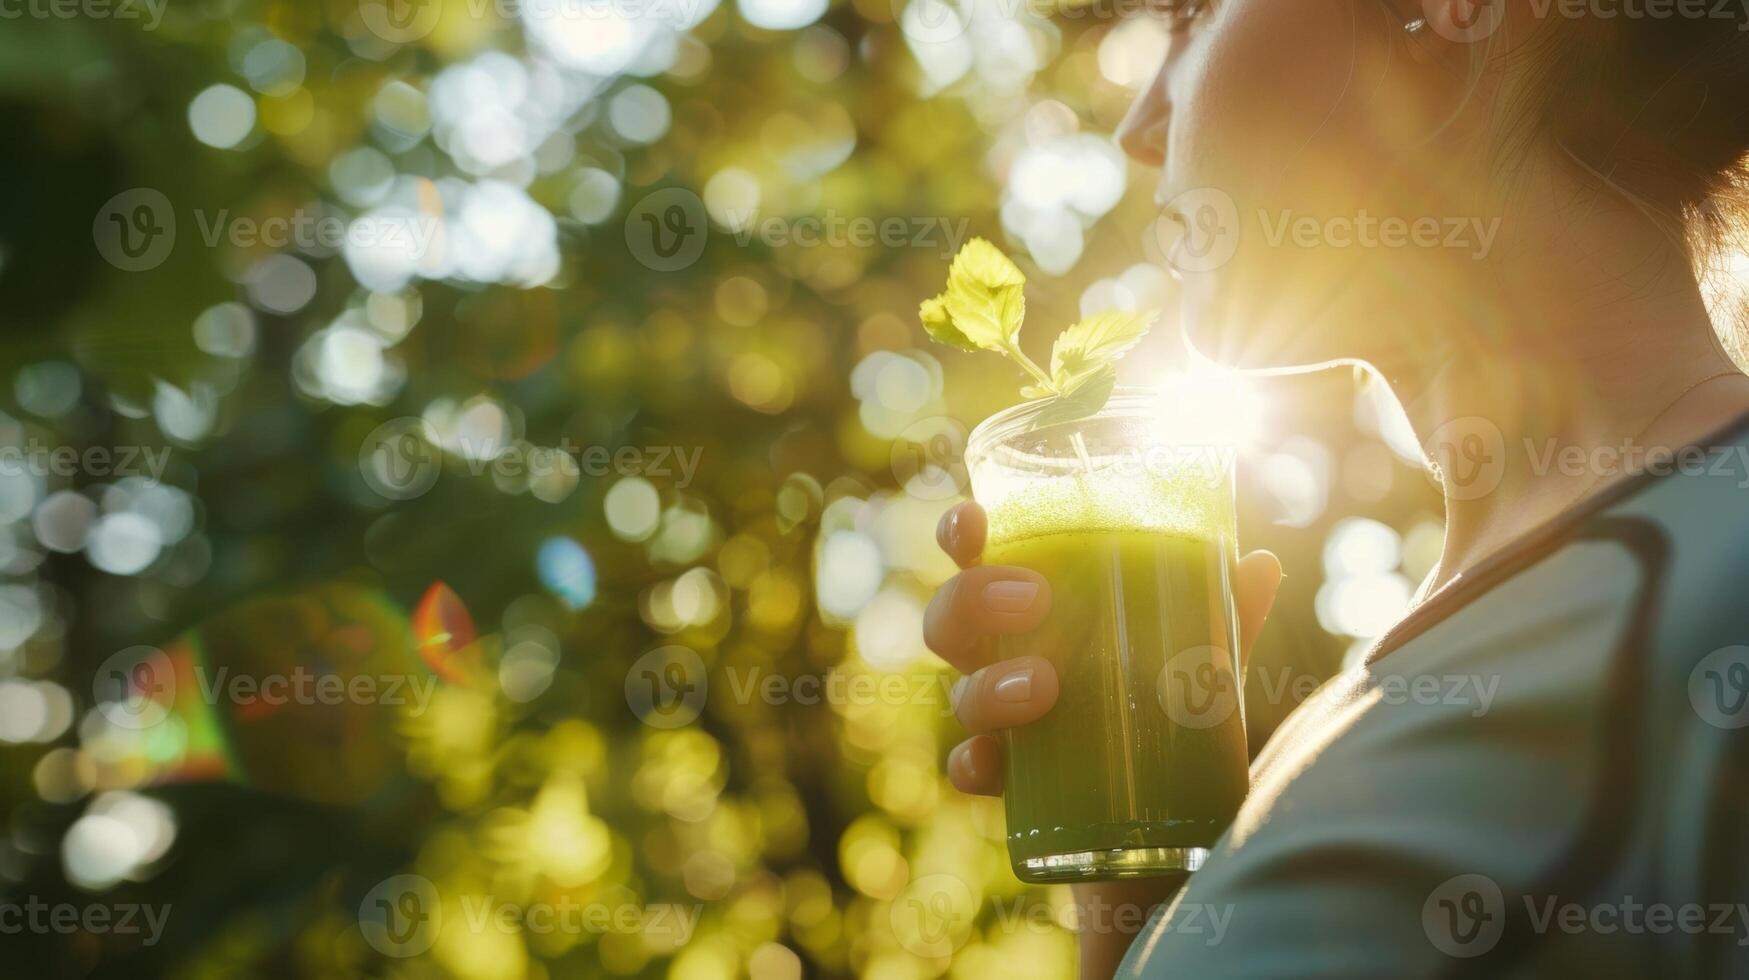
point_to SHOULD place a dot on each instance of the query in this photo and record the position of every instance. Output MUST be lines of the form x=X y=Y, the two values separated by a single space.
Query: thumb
x=1254 y=588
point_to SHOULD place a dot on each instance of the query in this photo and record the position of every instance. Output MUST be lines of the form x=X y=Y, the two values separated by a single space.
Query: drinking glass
x=1141 y=764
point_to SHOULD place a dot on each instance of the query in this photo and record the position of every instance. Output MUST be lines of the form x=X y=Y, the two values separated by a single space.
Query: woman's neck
x=1561 y=387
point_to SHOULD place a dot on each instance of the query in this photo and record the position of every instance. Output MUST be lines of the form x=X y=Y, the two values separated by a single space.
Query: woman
x=1582 y=164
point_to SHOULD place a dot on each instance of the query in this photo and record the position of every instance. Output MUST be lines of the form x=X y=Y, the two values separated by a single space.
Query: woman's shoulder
x=1575 y=734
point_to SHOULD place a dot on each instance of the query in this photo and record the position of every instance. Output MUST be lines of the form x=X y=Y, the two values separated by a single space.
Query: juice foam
x=1191 y=501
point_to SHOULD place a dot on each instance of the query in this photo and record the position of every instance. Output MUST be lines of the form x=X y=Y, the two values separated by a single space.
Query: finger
x=979 y=603
x=975 y=766
x=1007 y=694
x=961 y=533
x=1254 y=590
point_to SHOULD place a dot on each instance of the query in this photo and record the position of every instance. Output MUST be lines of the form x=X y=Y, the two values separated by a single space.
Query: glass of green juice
x=1142 y=763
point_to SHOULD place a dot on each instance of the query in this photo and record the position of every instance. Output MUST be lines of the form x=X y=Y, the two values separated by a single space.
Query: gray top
x=1543 y=772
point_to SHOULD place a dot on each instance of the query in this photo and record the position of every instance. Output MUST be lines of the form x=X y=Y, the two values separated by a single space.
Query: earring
x=1416 y=27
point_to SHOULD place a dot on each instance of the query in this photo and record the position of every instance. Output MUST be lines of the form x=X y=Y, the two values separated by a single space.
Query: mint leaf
x=1095 y=342
x=939 y=324
x=984 y=297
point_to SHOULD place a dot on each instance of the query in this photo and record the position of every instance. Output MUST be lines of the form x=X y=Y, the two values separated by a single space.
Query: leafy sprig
x=983 y=309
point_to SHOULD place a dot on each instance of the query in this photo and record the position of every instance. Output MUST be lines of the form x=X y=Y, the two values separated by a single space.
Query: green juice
x=1142 y=762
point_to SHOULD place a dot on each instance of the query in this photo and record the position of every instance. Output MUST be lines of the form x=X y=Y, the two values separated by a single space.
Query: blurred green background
x=553 y=369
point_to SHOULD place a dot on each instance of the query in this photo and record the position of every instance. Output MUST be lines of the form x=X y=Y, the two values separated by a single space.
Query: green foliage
x=984 y=308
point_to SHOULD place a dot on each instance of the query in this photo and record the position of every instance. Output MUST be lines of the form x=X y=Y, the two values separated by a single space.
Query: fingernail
x=953 y=531
x=1010 y=597
x=1014 y=688
x=957 y=758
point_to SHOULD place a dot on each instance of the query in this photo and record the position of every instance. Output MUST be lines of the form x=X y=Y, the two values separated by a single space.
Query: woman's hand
x=985 y=601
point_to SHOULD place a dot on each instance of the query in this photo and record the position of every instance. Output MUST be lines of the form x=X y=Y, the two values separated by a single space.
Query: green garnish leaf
x=940 y=325
x=1094 y=343
x=983 y=309
x=984 y=296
